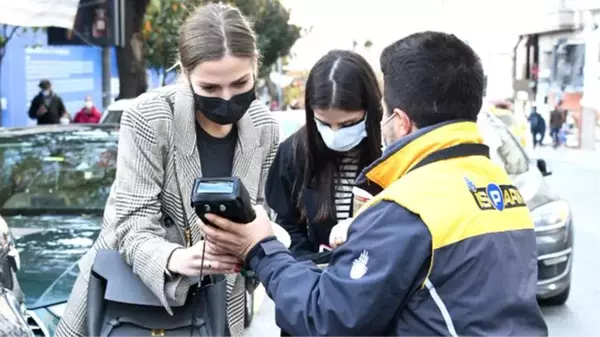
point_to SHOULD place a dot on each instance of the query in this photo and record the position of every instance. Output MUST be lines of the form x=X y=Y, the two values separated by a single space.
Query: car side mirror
x=541 y=164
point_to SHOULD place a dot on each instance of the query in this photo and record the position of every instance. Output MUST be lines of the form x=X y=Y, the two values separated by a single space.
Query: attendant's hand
x=237 y=239
x=339 y=233
x=188 y=261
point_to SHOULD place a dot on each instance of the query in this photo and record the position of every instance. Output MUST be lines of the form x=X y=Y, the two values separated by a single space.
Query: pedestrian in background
x=448 y=248
x=47 y=107
x=88 y=114
x=208 y=124
x=537 y=126
x=557 y=119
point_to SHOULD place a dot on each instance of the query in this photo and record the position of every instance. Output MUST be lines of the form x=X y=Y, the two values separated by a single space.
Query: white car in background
x=112 y=114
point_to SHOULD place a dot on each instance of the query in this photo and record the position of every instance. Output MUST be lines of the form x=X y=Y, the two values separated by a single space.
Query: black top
x=54 y=106
x=216 y=154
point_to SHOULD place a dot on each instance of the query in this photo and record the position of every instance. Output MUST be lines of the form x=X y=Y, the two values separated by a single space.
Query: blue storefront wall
x=75 y=71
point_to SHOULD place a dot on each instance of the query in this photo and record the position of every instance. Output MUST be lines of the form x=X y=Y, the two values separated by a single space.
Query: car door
x=12 y=313
x=506 y=151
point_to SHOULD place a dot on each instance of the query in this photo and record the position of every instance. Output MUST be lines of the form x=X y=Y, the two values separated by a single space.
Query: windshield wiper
x=51 y=211
x=40 y=304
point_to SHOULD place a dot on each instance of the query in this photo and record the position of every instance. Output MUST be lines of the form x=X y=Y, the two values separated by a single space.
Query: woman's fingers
x=223 y=258
x=212 y=256
x=339 y=233
x=215 y=262
x=336 y=238
x=208 y=248
x=210 y=259
x=212 y=271
x=212 y=265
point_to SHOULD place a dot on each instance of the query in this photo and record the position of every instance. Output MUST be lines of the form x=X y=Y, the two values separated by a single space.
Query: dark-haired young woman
x=310 y=182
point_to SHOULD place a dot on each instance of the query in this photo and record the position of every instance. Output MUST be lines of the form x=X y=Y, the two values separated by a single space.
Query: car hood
x=48 y=246
x=533 y=188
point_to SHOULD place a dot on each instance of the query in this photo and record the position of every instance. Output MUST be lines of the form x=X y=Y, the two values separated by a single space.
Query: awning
x=39 y=13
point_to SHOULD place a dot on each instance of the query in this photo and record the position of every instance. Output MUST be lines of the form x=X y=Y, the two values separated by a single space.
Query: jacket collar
x=402 y=155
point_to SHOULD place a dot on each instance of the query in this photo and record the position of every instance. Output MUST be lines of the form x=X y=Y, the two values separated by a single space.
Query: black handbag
x=120 y=304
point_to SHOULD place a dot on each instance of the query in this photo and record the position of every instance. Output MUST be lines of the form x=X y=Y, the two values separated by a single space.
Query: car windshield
x=59 y=290
x=507 y=119
x=504 y=148
x=61 y=172
x=112 y=117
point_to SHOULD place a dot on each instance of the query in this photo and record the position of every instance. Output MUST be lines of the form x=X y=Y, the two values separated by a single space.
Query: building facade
x=556 y=57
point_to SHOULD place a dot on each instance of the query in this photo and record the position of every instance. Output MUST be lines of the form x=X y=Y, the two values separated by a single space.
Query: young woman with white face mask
x=311 y=180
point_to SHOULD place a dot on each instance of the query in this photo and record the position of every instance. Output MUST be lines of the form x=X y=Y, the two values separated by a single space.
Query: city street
x=576 y=176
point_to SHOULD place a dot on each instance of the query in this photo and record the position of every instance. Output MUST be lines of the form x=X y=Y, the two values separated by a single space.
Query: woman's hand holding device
x=189 y=262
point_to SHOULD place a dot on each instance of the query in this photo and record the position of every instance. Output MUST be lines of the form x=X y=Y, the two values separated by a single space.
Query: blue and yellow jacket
x=447 y=248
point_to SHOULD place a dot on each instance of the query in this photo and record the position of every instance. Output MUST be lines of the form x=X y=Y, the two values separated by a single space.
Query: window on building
x=569 y=63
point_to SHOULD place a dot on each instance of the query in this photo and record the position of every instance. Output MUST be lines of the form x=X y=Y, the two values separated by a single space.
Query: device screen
x=224 y=187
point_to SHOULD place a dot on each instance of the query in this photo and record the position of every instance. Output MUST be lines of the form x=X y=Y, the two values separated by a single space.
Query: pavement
x=576 y=177
x=584 y=159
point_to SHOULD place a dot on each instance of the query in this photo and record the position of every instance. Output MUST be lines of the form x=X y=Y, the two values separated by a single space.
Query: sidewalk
x=585 y=158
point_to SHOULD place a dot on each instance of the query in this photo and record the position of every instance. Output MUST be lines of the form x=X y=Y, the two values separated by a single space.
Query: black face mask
x=224 y=112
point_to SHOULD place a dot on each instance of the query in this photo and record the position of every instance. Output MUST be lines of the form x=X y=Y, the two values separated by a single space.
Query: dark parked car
x=54 y=184
x=112 y=114
x=551 y=214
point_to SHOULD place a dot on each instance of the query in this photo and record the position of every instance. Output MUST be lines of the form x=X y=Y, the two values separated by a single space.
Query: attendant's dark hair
x=341 y=80
x=433 y=77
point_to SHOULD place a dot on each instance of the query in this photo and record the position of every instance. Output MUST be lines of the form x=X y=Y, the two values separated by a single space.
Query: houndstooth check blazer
x=149 y=205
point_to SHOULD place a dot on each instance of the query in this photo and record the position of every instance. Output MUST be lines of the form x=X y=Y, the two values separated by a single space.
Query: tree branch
x=11 y=34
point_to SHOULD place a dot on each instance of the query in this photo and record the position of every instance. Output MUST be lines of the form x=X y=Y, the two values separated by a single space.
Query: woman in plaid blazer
x=209 y=123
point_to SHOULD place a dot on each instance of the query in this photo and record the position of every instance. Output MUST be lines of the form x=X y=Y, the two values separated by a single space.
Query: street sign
x=97 y=23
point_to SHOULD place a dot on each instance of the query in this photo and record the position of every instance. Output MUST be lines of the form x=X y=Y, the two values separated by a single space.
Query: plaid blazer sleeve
x=138 y=185
x=266 y=165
